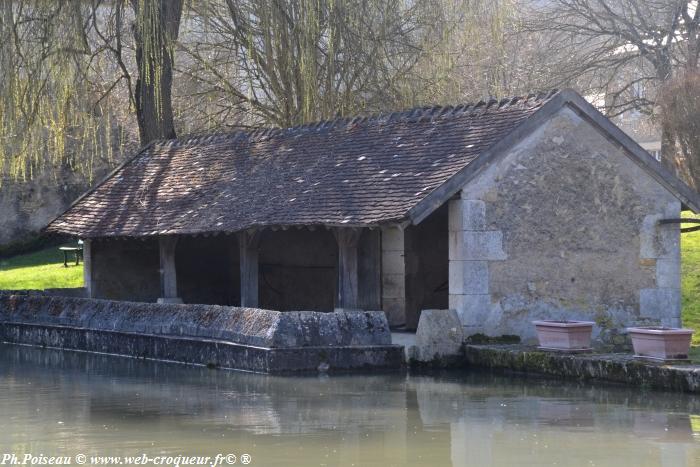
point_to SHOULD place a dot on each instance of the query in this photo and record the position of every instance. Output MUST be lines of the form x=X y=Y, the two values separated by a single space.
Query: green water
x=65 y=403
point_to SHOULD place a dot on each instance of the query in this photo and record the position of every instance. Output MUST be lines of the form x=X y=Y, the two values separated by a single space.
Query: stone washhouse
x=506 y=211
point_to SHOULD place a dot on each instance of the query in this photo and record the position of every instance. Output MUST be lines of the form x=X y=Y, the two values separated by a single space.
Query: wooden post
x=249 y=243
x=87 y=268
x=394 y=275
x=369 y=270
x=168 y=276
x=348 y=239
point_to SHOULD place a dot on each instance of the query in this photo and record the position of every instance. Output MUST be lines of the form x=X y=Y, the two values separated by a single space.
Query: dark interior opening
x=427 y=266
x=208 y=270
x=298 y=270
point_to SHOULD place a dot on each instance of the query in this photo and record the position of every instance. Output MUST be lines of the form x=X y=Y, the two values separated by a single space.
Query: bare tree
x=78 y=72
x=680 y=107
x=287 y=62
x=623 y=49
x=482 y=54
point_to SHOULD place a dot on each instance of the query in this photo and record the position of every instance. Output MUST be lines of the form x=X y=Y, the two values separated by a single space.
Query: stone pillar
x=168 y=276
x=87 y=269
x=348 y=240
x=393 y=275
x=471 y=248
x=660 y=248
x=249 y=247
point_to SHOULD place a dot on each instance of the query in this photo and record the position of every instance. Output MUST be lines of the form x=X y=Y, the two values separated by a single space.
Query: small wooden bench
x=67 y=249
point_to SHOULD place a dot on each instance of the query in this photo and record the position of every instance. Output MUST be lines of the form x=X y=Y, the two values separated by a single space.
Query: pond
x=71 y=404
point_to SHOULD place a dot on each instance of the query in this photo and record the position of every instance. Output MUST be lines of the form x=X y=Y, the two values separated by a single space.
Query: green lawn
x=40 y=270
x=690 y=280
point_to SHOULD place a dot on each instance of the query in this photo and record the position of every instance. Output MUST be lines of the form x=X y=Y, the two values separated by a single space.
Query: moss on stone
x=480 y=339
x=619 y=368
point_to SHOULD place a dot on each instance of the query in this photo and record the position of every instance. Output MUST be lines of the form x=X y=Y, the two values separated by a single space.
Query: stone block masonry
x=238 y=338
x=471 y=248
x=660 y=250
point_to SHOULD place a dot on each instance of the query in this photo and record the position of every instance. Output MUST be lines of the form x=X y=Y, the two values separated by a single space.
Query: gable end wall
x=564 y=226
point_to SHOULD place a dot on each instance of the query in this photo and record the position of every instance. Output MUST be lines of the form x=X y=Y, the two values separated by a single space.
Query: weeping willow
x=156 y=28
x=68 y=98
x=151 y=34
x=49 y=121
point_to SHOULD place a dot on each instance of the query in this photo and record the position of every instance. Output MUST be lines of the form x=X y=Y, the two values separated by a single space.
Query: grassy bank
x=40 y=270
x=690 y=281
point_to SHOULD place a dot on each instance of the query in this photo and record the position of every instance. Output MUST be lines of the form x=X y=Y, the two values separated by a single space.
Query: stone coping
x=80 y=292
x=564 y=324
x=246 y=326
x=614 y=367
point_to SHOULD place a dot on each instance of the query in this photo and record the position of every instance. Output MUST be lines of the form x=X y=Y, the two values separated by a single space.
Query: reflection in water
x=64 y=403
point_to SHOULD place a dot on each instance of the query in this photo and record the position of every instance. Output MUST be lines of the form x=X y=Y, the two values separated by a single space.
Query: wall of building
x=564 y=227
x=298 y=270
x=125 y=270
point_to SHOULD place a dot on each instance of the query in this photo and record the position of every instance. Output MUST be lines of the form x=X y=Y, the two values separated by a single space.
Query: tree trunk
x=155 y=31
x=668 y=148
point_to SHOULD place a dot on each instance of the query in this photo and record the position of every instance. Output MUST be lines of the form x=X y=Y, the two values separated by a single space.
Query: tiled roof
x=362 y=171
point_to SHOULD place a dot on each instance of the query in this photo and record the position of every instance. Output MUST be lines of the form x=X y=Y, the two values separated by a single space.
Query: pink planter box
x=661 y=343
x=564 y=335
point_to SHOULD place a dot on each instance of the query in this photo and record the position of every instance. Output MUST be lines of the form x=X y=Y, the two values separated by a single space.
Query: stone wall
x=247 y=326
x=77 y=292
x=564 y=226
x=27 y=207
x=615 y=367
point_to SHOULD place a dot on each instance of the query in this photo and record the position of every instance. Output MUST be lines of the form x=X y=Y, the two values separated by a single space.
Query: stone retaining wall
x=227 y=337
x=248 y=326
x=212 y=353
